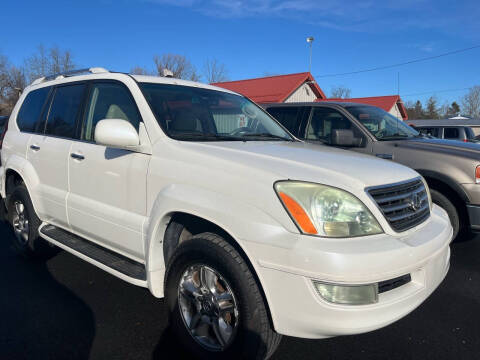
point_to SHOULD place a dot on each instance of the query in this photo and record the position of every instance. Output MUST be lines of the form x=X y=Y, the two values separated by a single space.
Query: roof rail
x=61 y=75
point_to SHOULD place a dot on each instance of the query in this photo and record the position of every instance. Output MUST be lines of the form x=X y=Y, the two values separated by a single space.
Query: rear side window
x=450 y=133
x=470 y=134
x=64 y=111
x=289 y=117
x=109 y=101
x=428 y=131
x=29 y=115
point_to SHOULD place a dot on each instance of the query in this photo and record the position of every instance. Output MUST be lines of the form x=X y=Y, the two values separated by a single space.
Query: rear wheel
x=25 y=224
x=216 y=307
x=445 y=203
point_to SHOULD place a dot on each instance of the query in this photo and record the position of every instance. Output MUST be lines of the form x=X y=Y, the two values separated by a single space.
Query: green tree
x=431 y=111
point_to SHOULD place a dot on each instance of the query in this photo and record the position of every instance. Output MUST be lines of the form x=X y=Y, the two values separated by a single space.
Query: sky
x=258 y=37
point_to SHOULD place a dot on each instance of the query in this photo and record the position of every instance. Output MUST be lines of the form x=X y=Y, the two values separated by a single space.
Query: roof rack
x=61 y=75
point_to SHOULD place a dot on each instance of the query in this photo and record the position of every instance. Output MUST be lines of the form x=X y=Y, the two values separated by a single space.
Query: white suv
x=195 y=193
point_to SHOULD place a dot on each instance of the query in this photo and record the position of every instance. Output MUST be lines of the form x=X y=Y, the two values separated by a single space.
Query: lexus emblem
x=415 y=202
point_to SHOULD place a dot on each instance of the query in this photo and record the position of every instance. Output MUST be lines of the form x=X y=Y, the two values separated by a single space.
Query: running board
x=108 y=258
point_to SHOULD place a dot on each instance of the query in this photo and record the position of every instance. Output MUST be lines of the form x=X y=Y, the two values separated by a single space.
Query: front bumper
x=297 y=309
x=474 y=217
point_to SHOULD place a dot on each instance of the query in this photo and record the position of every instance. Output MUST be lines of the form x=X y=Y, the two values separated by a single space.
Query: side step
x=107 y=257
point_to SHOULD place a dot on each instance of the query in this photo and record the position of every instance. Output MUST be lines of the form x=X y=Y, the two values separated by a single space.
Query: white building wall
x=303 y=94
x=395 y=111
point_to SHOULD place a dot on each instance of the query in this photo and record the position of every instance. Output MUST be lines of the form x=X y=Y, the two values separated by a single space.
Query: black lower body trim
x=96 y=252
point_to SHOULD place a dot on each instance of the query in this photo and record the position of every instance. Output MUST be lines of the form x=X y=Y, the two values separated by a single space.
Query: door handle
x=77 y=156
x=35 y=147
x=385 y=156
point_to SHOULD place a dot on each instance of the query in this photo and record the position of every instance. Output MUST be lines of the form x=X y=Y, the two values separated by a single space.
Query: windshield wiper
x=394 y=137
x=268 y=136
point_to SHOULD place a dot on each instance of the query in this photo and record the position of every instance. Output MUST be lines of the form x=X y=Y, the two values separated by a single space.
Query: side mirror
x=343 y=137
x=116 y=133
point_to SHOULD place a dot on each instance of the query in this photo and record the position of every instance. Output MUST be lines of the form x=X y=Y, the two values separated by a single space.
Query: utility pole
x=310 y=41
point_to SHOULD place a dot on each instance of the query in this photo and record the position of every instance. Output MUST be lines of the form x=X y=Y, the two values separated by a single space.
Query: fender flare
x=447 y=181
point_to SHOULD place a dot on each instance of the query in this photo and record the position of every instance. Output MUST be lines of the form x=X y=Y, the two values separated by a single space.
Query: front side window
x=64 y=111
x=108 y=101
x=381 y=124
x=196 y=114
x=451 y=133
x=29 y=115
x=325 y=121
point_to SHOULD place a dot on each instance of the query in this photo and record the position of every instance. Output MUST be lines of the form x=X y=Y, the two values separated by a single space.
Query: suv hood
x=453 y=147
x=299 y=161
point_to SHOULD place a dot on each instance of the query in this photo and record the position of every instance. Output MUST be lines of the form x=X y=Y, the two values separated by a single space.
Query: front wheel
x=216 y=307
x=445 y=203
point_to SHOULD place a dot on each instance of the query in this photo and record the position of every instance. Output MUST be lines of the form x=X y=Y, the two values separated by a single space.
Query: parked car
x=451 y=168
x=197 y=194
x=460 y=133
x=3 y=121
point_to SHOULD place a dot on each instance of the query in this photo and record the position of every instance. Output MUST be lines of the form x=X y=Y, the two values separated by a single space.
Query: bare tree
x=139 y=70
x=214 y=71
x=471 y=102
x=48 y=61
x=179 y=65
x=12 y=82
x=340 y=92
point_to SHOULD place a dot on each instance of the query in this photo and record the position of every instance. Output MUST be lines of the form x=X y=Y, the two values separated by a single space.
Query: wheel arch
x=449 y=188
x=169 y=236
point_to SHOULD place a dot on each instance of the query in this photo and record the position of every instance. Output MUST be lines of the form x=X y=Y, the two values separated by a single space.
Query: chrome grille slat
x=401 y=206
x=385 y=199
x=404 y=205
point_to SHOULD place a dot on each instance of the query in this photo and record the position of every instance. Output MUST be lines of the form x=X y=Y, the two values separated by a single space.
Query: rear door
x=107 y=199
x=49 y=148
x=290 y=117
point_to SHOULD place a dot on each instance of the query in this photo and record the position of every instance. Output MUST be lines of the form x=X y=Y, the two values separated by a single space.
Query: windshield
x=196 y=114
x=381 y=124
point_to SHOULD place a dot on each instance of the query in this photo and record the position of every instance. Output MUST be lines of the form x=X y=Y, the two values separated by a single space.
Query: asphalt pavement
x=66 y=308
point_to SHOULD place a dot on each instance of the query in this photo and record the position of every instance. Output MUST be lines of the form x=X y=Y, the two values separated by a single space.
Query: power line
x=436 y=91
x=402 y=63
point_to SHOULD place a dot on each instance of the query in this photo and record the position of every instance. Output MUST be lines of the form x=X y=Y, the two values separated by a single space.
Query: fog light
x=348 y=294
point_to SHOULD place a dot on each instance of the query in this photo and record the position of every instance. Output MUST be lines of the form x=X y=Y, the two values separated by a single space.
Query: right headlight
x=326 y=211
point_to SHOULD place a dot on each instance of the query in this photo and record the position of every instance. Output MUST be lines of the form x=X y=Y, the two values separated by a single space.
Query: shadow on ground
x=67 y=309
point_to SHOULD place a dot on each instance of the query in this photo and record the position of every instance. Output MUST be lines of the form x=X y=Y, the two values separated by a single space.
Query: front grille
x=404 y=205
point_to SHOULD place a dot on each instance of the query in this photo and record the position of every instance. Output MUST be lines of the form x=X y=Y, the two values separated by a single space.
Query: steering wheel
x=241 y=131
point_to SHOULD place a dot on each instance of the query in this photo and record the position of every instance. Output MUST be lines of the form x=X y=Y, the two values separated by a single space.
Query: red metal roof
x=272 y=89
x=384 y=102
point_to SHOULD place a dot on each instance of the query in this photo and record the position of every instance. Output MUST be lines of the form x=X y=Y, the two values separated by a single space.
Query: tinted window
x=324 y=121
x=428 y=131
x=196 y=114
x=65 y=108
x=109 y=101
x=450 y=133
x=29 y=114
x=469 y=133
x=288 y=117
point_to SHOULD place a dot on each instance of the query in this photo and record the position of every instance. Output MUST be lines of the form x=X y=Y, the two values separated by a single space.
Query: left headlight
x=326 y=211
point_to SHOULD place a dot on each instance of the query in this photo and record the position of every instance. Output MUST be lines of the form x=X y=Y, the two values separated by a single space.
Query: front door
x=107 y=199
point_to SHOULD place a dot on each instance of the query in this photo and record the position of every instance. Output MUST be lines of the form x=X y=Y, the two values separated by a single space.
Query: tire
x=252 y=336
x=25 y=224
x=445 y=203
